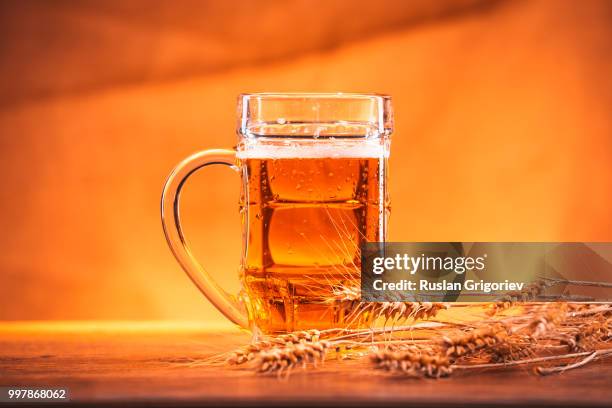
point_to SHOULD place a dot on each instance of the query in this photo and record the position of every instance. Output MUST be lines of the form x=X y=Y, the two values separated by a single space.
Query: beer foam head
x=314 y=149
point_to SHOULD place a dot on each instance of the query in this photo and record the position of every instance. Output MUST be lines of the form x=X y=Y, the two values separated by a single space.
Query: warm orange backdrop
x=503 y=130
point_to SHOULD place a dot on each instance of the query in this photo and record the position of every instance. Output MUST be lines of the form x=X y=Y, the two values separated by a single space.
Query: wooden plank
x=158 y=363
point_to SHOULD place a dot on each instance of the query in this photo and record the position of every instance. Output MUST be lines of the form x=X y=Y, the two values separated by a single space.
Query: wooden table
x=153 y=363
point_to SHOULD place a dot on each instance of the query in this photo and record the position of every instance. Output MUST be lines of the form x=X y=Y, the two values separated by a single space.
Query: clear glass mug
x=314 y=171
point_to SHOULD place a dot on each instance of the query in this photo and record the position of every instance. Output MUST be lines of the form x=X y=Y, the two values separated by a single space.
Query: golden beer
x=306 y=218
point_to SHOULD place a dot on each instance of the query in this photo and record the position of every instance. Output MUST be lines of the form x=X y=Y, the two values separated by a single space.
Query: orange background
x=503 y=130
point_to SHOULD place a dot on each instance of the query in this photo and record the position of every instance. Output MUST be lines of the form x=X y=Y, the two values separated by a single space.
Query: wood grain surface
x=160 y=364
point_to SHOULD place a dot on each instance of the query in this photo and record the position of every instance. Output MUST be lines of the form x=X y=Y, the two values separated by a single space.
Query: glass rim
x=314 y=114
x=314 y=95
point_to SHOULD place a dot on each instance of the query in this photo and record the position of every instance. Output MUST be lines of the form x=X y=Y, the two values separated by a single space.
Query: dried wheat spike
x=477 y=339
x=578 y=307
x=397 y=311
x=350 y=298
x=279 y=359
x=547 y=322
x=297 y=337
x=412 y=363
x=588 y=336
x=249 y=352
x=509 y=351
x=427 y=310
x=345 y=293
x=530 y=292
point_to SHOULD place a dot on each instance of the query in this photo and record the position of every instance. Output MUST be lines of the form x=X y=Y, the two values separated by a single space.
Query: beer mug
x=314 y=171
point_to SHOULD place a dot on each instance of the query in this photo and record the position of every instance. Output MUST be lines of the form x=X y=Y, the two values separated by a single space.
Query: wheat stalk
x=585 y=337
x=283 y=359
x=510 y=351
x=350 y=298
x=548 y=321
x=412 y=363
x=475 y=340
x=530 y=293
x=251 y=351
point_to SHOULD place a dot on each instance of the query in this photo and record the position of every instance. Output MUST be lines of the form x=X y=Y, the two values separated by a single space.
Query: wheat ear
x=529 y=293
x=283 y=359
x=412 y=363
x=477 y=339
x=249 y=352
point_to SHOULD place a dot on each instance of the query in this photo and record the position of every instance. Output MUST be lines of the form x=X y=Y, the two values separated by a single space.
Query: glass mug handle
x=227 y=304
